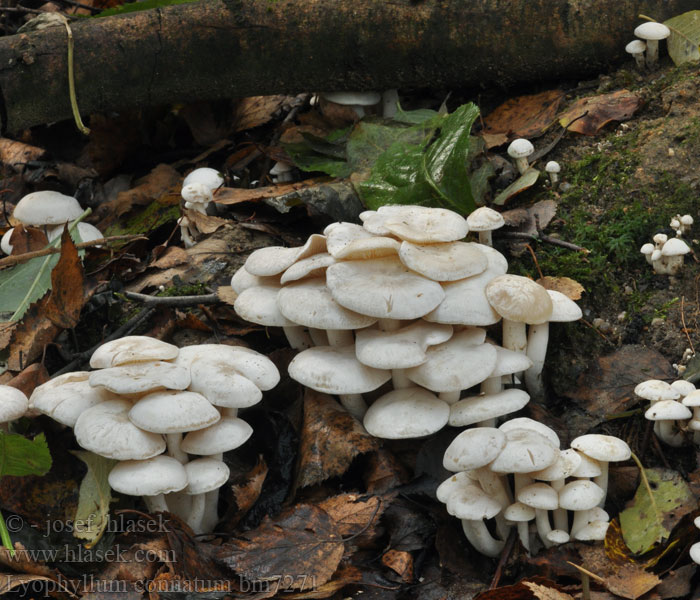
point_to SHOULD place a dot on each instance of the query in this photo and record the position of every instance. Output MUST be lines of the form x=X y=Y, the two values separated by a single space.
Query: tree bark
x=235 y=48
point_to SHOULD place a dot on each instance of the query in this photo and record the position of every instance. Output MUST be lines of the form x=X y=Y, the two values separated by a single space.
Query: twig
x=505 y=554
x=685 y=327
x=21 y=9
x=549 y=147
x=519 y=235
x=147 y=300
x=534 y=259
x=16 y=259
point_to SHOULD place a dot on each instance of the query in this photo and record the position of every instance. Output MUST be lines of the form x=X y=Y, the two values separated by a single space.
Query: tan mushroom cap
x=273 y=260
x=655 y=390
x=406 y=413
x=454 y=365
x=221 y=383
x=423 y=225
x=485 y=219
x=173 y=412
x=13 y=403
x=602 y=447
x=443 y=262
x=47 y=208
x=476 y=409
x=400 y=349
x=526 y=451
x=382 y=288
x=259 y=305
x=149 y=477
x=309 y=303
x=313 y=266
x=473 y=449
x=519 y=299
x=348 y=241
x=132 y=348
x=105 y=429
x=465 y=303
x=227 y=434
x=137 y=378
x=335 y=370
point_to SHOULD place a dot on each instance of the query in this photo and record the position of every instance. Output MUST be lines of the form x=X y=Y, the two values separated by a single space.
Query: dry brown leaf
x=384 y=472
x=236 y=195
x=616 y=106
x=31 y=335
x=131 y=566
x=543 y=592
x=524 y=116
x=492 y=140
x=31 y=377
x=353 y=513
x=246 y=494
x=67 y=297
x=161 y=181
x=204 y=223
x=6 y=331
x=298 y=546
x=330 y=439
x=342 y=577
x=256 y=110
x=29 y=239
x=569 y=287
x=190 y=321
x=631 y=581
x=677 y=583
x=226 y=294
x=15 y=154
x=400 y=562
x=523 y=590
x=295 y=134
x=171 y=257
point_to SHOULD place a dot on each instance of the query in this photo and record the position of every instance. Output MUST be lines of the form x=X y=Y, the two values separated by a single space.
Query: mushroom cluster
x=666 y=255
x=548 y=484
x=682 y=225
x=674 y=408
x=150 y=406
x=197 y=192
x=649 y=34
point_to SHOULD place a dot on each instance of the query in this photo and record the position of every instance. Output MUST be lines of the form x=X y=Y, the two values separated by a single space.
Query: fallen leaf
x=17 y=154
x=399 y=562
x=6 y=331
x=525 y=590
x=205 y=126
x=236 y=195
x=31 y=377
x=300 y=545
x=631 y=581
x=527 y=220
x=27 y=239
x=342 y=577
x=545 y=592
x=257 y=110
x=246 y=493
x=139 y=562
x=384 y=472
x=600 y=110
x=66 y=298
x=204 y=223
x=524 y=116
x=492 y=140
x=31 y=336
x=226 y=294
x=682 y=44
x=677 y=583
x=522 y=183
x=190 y=321
x=159 y=182
x=571 y=288
x=330 y=439
x=355 y=515
x=171 y=257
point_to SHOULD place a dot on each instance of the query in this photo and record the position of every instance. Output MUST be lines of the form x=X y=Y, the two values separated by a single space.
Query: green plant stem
x=643 y=475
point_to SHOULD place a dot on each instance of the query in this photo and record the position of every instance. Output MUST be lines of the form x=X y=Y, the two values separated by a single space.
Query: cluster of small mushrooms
x=674 y=408
x=197 y=192
x=151 y=406
x=666 y=255
x=645 y=49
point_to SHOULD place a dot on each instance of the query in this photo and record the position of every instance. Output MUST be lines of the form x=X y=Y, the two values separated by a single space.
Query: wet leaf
x=631 y=581
x=645 y=522
x=92 y=515
x=356 y=516
x=66 y=298
x=683 y=42
x=161 y=181
x=17 y=154
x=300 y=545
x=616 y=106
x=246 y=493
x=342 y=577
x=522 y=183
x=205 y=223
x=527 y=589
x=567 y=286
x=524 y=116
x=543 y=592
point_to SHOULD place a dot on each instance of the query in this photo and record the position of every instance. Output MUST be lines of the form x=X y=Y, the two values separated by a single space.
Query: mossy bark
x=236 y=48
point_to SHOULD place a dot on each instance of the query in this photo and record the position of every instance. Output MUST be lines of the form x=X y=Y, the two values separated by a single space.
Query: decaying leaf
x=94 y=499
x=600 y=110
x=237 y=195
x=226 y=294
x=205 y=223
x=298 y=546
x=247 y=493
x=524 y=116
x=30 y=336
x=66 y=298
x=31 y=377
x=400 y=562
x=543 y=592
x=17 y=154
x=527 y=220
x=355 y=515
x=384 y=472
x=27 y=239
x=159 y=182
x=522 y=183
x=345 y=575
x=330 y=439
x=257 y=110
x=527 y=589
x=171 y=257
x=683 y=42
x=567 y=286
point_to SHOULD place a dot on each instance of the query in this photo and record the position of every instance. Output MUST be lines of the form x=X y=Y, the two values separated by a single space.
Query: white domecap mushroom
x=604 y=449
x=484 y=220
x=86 y=233
x=138 y=378
x=647 y=250
x=520 y=149
x=472 y=505
x=652 y=33
x=667 y=413
x=13 y=405
x=636 y=48
x=130 y=349
x=449 y=261
x=204 y=478
x=406 y=413
x=521 y=514
x=424 y=225
x=207 y=176
x=580 y=496
x=355 y=100
x=483 y=410
x=47 y=207
x=672 y=255
x=553 y=169
x=543 y=498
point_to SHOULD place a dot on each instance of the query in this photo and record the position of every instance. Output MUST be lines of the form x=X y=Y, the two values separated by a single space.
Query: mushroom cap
x=206 y=176
x=526 y=451
x=349 y=241
x=667 y=410
x=382 y=288
x=47 y=208
x=455 y=365
x=592 y=532
x=647 y=248
x=557 y=536
x=86 y=232
x=564 y=309
x=581 y=494
x=655 y=390
x=132 y=348
x=280 y=167
x=227 y=434
x=150 y=477
x=539 y=495
x=400 y=349
x=309 y=303
x=683 y=387
x=13 y=403
x=652 y=31
x=443 y=262
x=5 y=245
x=105 y=429
x=635 y=47
x=373 y=220
x=519 y=299
x=353 y=98
x=509 y=362
x=520 y=148
x=242 y=280
x=552 y=167
x=273 y=260
x=567 y=463
x=196 y=193
x=406 y=413
x=474 y=448
x=675 y=247
x=465 y=303
x=589 y=467
x=602 y=447
x=259 y=305
x=485 y=219
x=498 y=264
x=518 y=512
x=335 y=370
x=453 y=484
x=527 y=423
x=221 y=383
x=173 y=412
x=205 y=475
x=313 y=266
x=687 y=220
x=424 y=225
x=137 y=378
x=65 y=397
x=472 y=503
x=475 y=409
x=692 y=399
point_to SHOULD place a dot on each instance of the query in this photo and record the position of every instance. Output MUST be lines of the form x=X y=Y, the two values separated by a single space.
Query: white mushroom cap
x=539 y=495
x=259 y=305
x=423 y=225
x=485 y=219
x=400 y=349
x=335 y=370
x=196 y=193
x=692 y=399
x=581 y=494
x=520 y=148
x=221 y=383
x=592 y=532
x=65 y=397
x=105 y=429
x=647 y=250
x=527 y=423
x=552 y=167
x=472 y=503
x=473 y=448
x=14 y=404
x=589 y=467
x=242 y=280
x=526 y=451
x=149 y=477
x=204 y=175
x=557 y=536
x=602 y=447
x=509 y=362
x=498 y=264
x=565 y=466
x=382 y=288
x=348 y=241
x=227 y=434
x=273 y=260
x=519 y=299
x=465 y=303
x=313 y=266
x=452 y=485
x=655 y=390
x=5 y=245
x=173 y=412
x=475 y=409
x=86 y=232
x=309 y=303
x=635 y=47
x=131 y=348
x=443 y=262
x=564 y=309
x=675 y=247
x=406 y=413
x=652 y=31
x=683 y=387
x=137 y=378
x=660 y=239
x=518 y=512
x=205 y=475
x=695 y=553
x=667 y=410
x=47 y=208
x=353 y=98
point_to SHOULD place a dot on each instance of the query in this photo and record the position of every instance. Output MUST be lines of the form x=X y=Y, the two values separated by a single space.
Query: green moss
x=157 y=213
x=184 y=289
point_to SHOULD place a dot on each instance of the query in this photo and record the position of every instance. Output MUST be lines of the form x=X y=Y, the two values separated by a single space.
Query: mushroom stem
x=652 y=53
x=580 y=520
x=669 y=433
x=537 y=339
x=524 y=534
x=450 y=397
x=479 y=537
x=543 y=525
x=340 y=337
x=493 y=485
x=296 y=336
x=174 y=450
x=194 y=519
x=602 y=482
x=485 y=237
x=522 y=164
x=354 y=404
x=318 y=337
x=211 y=511
x=560 y=517
x=156 y=503
x=399 y=379
x=514 y=336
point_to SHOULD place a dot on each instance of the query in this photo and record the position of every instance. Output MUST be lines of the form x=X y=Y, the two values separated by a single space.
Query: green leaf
x=416 y=117
x=525 y=181
x=683 y=42
x=139 y=6
x=645 y=522
x=21 y=456
x=307 y=158
x=92 y=514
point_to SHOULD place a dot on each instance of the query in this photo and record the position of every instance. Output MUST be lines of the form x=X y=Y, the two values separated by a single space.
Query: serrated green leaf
x=139 y=6
x=645 y=523
x=683 y=42
x=92 y=514
x=20 y=456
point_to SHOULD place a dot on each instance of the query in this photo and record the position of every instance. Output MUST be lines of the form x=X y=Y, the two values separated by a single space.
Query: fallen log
x=236 y=48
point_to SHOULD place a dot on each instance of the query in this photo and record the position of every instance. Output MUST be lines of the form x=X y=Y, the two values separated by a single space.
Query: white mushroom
x=636 y=48
x=520 y=149
x=652 y=32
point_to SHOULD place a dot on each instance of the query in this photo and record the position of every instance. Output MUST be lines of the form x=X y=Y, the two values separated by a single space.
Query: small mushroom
x=410 y=412
x=355 y=100
x=647 y=250
x=667 y=413
x=636 y=48
x=204 y=476
x=652 y=33
x=604 y=449
x=484 y=220
x=520 y=149
x=553 y=169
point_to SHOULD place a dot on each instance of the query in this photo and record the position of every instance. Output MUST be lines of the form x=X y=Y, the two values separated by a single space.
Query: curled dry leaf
x=31 y=377
x=17 y=154
x=67 y=296
x=567 y=286
x=27 y=239
x=600 y=110
x=400 y=562
x=237 y=195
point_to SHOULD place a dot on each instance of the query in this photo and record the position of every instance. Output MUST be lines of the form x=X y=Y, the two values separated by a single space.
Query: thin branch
x=519 y=235
x=16 y=259
x=147 y=300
